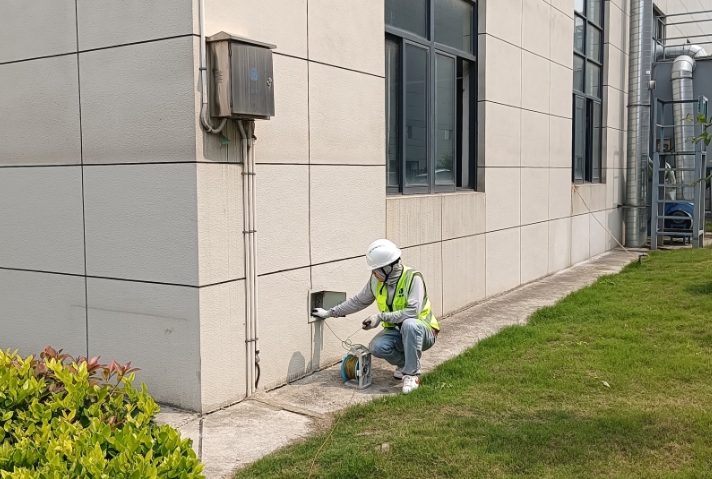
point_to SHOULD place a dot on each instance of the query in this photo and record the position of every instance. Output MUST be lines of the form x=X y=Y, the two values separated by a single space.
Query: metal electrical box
x=242 y=78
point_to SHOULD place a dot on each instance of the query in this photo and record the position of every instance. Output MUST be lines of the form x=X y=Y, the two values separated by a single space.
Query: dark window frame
x=591 y=164
x=404 y=38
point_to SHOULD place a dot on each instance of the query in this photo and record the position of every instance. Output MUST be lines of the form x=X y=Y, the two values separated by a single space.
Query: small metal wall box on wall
x=242 y=78
x=323 y=299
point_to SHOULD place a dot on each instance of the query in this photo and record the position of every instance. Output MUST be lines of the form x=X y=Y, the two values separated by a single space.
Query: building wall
x=122 y=220
x=98 y=202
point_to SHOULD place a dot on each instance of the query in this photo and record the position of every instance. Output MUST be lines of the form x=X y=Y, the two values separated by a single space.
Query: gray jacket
x=366 y=297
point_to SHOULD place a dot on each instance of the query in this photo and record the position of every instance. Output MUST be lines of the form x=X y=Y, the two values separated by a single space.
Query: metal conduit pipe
x=249 y=206
x=205 y=123
x=640 y=64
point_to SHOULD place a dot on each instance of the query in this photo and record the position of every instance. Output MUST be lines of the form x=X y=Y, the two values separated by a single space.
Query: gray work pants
x=403 y=347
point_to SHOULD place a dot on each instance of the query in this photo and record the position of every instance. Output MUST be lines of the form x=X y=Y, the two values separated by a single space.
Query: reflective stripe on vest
x=400 y=299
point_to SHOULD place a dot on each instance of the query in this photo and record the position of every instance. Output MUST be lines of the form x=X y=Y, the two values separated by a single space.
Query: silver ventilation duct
x=641 y=53
x=672 y=52
x=684 y=128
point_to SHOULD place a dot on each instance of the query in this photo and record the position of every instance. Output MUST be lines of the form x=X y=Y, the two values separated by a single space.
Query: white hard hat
x=381 y=253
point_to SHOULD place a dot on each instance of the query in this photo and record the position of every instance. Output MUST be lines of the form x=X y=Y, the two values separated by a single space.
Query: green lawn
x=614 y=381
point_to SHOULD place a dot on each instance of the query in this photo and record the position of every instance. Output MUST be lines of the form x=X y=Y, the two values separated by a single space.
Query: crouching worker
x=409 y=326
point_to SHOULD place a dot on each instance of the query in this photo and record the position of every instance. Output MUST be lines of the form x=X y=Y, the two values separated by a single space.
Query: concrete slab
x=240 y=434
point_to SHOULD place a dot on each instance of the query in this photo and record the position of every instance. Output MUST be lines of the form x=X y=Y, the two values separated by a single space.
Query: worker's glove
x=321 y=313
x=371 y=322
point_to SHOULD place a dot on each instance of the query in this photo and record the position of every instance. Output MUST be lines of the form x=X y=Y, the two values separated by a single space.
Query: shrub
x=62 y=417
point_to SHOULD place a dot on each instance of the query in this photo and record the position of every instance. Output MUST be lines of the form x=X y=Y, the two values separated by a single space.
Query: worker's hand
x=371 y=322
x=321 y=313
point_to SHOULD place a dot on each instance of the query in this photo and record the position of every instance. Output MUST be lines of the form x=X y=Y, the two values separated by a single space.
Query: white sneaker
x=398 y=374
x=410 y=383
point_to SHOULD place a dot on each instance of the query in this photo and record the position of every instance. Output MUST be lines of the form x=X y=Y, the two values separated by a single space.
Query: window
x=431 y=102
x=659 y=32
x=588 y=86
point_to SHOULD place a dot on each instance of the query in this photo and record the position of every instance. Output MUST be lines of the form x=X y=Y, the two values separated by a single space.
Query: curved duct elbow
x=672 y=52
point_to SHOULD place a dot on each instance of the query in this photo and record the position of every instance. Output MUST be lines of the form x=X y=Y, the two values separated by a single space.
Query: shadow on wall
x=297 y=367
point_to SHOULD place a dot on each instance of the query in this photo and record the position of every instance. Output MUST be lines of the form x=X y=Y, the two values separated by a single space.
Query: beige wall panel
x=581 y=198
x=220 y=223
x=598 y=236
x=615 y=148
x=503 y=190
x=562 y=34
x=503 y=261
x=615 y=187
x=349 y=276
x=285 y=137
x=428 y=260
x=616 y=31
x=559 y=193
x=535 y=27
x=37 y=29
x=40 y=309
x=463 y=214
x=282 y=217
x=414 y=220
x=39 y=101
x=560 y=142
x=344 y=219
x=559 y=244
x=502 y=130
x=284 y=332
x=156 y=327
x=598 y=197
x=346 y=117
x=502 y=19
x=138 y=103
x=580 y=238
x=503 y=72
x=222 y=344
x=535 y=195
x=142 y=222
x=561 y=81
x=464 y=272
x=536 y=137
x=614 y=222
x=348 y=34
x=41 y=217
x=564 y=6
x=615 y=64
x=614 y=102
x=535 y=251
x=104 y=23
x=280 y=22
x=623 y=5
x=535 y=81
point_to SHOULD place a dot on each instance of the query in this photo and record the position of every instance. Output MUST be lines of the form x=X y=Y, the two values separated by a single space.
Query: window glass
x=453 y=24
x=409 y=15
x=596 y=142
x=579 y=32
x=392 y=113
x=595 y=10
x=578 y=6
x=594 y=44
x=593 y=80
x=416 y=116
x=444 y=120
x=578 y=73
x=579 y=137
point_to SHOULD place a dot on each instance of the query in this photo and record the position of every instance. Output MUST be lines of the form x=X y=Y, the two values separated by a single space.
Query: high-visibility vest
x=400 y=299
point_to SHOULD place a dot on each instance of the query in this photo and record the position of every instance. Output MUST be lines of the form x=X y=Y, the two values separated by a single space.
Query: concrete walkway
x=238 y=435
